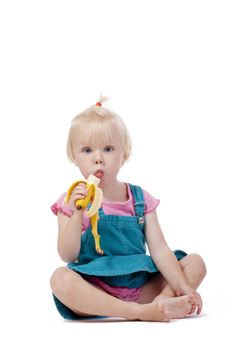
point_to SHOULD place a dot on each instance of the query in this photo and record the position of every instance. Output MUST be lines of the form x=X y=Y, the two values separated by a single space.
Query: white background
x=167 y=68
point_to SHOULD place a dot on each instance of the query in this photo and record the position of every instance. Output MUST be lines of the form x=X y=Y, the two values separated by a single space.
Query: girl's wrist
x=184 y=290
x=78 y=213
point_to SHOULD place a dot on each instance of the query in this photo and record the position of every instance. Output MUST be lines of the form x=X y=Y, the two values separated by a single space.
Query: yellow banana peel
x=95 y=197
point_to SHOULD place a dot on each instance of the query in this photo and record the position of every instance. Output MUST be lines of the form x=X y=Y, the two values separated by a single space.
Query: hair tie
x=98 y=104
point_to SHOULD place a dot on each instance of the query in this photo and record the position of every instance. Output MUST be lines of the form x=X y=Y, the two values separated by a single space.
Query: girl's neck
x=115 y=192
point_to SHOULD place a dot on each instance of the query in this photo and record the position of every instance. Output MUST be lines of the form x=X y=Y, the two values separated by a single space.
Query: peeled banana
x=95 y=197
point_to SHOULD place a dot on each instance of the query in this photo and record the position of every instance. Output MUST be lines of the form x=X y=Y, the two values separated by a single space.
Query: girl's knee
x=198 y=262
x=61 y=278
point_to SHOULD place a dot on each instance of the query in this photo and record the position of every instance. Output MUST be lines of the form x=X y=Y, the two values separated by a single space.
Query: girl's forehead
x=96 y=137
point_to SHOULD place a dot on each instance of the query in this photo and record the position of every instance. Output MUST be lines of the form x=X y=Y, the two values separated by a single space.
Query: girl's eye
x=86 y=150
x=108 y=149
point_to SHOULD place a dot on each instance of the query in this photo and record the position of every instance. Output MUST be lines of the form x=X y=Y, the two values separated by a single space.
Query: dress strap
x=139 y=204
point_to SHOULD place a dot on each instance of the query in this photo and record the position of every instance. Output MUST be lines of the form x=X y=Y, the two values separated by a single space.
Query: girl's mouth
x=99 y=173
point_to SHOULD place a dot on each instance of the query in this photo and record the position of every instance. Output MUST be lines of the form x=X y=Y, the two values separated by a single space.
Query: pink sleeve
x=59 y=206
x=151 y=202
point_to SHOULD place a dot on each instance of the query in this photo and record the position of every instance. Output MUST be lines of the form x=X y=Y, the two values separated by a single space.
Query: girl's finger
x=199 y=307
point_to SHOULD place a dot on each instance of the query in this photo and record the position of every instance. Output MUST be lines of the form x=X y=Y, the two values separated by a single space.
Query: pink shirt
x=110 y=208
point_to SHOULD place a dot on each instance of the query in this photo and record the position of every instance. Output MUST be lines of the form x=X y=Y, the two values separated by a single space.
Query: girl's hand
x=187 y=290
x=79 y=192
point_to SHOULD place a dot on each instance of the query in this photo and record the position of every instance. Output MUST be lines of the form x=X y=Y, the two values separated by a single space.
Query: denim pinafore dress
x=125 y=262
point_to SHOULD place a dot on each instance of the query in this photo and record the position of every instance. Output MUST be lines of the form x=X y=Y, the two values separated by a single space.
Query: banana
x=95 y=197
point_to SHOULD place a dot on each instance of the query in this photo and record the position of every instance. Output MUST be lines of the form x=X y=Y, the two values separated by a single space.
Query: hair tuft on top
x=103 y=99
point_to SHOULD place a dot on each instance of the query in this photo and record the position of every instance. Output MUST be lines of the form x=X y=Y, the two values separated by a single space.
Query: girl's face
x=102 y=159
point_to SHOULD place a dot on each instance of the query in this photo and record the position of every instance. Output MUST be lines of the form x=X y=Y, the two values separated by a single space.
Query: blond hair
x=98 y=120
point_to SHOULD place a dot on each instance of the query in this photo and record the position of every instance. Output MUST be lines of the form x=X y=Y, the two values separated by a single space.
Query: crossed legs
x=156 y=302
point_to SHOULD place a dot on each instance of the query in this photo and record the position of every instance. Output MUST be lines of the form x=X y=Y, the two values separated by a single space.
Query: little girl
x=124 y=282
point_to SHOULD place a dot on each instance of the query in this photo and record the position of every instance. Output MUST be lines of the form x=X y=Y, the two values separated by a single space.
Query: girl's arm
x=70 y=228
x=69 y=235
x=162 y=255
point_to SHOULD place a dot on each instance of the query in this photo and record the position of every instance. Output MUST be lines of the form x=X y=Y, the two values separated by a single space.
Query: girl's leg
x=194 y=270
x=85 y=299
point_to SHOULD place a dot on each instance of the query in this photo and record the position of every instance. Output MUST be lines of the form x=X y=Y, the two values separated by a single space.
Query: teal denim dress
x=124 y=262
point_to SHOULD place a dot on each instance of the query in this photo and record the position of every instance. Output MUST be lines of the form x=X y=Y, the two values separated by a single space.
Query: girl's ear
x=75 y=161
x=124 y=158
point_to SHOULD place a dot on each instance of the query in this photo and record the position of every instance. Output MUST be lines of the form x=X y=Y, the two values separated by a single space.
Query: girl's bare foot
x=166 y=309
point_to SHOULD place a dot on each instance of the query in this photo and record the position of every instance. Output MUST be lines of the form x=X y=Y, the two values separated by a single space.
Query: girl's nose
x=98 y=159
